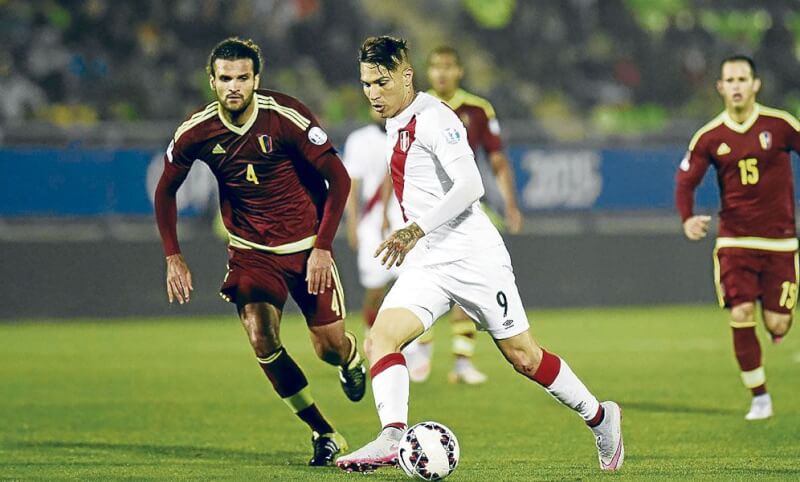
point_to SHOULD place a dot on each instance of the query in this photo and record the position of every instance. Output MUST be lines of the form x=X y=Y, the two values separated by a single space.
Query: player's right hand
x=179 y=279
x=696 y=227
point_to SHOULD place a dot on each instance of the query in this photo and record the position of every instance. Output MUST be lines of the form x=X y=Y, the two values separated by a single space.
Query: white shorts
x=371 y=273
x=483 y=285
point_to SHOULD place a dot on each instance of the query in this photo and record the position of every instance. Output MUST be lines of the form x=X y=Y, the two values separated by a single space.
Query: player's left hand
x=398 y=244
x=318 y=271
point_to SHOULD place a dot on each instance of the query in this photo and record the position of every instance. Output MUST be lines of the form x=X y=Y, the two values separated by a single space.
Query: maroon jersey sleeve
x=690 y=173
x=312 y=144
x=491 y=133
x=793 y=136
x=177 y=163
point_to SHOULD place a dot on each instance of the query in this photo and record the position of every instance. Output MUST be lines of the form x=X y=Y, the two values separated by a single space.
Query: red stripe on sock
x=388 y=361
x=548 y=370
x=397 y=425
x=598 y=417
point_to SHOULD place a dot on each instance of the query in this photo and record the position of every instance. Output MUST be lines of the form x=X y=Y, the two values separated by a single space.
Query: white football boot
x=468 y=375
x=608 y=436
x=760 y=408
x=381 y=452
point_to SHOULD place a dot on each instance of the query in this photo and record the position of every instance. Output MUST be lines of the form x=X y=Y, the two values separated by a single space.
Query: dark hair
x=740 y=58
x=388 y=52
x=234 y=48
x=445 y=50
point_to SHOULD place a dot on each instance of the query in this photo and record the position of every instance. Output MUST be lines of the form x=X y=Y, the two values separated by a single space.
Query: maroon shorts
x=256 y=276
x=746 y=275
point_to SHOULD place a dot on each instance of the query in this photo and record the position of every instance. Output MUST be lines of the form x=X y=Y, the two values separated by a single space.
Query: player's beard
x=236 y=111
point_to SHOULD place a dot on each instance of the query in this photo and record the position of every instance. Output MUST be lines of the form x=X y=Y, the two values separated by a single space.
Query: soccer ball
x=428 y=451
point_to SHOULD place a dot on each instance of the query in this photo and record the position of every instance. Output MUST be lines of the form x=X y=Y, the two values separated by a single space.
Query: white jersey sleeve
x=355 y=156
x=445 y=136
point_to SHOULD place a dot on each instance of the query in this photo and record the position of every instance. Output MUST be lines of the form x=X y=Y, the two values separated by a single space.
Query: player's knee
x=525 y=361
x=743 y=313
x=777 y=324
x=381 y=343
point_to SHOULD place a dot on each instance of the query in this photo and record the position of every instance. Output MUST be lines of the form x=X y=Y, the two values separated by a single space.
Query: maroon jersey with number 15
x=754 y=173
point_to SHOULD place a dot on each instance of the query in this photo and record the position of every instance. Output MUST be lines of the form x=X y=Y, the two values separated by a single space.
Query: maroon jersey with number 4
x=268 y=169
x=754 y=172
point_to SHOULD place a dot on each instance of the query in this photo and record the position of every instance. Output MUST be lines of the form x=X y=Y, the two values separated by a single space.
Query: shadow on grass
x=265 y=457
x=656 y=407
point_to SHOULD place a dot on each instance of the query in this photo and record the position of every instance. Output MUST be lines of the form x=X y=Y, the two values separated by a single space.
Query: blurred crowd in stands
x=571 y=66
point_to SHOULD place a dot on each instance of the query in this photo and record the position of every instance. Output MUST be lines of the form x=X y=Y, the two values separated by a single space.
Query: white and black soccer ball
x=428 y=451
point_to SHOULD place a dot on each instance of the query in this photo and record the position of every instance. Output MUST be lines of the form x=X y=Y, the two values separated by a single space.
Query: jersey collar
x=459 y=97
x=240 y=130
x=744 y=126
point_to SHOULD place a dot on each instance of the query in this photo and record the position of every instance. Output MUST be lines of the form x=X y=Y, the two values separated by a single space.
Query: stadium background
x=597 y=101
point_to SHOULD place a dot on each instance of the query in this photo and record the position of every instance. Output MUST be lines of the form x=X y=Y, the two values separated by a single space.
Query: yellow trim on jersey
x=269 y=103
x=744 y=126
x=742 y=324
x=461 y=97
x=765 y=244
x=339 y=291
x=713 y=123
x=300 y=400
x=197 y=118
x=239 y=130
x=781 y=114
x=288 y=248
x=718 y=279
x=754 y=378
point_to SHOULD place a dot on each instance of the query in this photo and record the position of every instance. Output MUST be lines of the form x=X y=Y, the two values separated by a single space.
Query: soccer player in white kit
x=371 y=211
x=452 y=254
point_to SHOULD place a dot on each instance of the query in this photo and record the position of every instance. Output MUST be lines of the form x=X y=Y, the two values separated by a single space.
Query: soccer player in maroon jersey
x=755 y=258
x=271 y=160
x=445 y=73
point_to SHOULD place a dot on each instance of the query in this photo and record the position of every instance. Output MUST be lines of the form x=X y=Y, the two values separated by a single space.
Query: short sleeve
x=793 y=133
x=443 y=133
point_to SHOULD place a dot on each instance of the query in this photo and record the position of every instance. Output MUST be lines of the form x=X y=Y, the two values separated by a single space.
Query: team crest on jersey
x=765 y=139
x=265 y=142
x=452 y=135
x=405 y=140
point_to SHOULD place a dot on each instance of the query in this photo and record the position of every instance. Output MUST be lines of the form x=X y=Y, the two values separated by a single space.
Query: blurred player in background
x=445 y=73
x=372 y=210
x=271 y=160
x=755 y=258
x=455 y=255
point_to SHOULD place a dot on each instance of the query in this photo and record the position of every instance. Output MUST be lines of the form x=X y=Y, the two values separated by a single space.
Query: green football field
x=185 y=399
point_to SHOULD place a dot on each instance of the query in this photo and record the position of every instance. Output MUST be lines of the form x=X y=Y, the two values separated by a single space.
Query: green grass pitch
x=184 y=399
